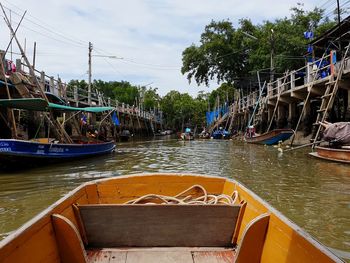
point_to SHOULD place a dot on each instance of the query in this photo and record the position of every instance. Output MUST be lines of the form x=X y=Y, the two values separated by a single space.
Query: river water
x=315 y=194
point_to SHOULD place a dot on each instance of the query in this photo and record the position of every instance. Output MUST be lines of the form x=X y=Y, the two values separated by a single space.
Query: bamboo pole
x=303 y=146
x=13 y=35
x=64 y=134
x=278 y=98
x=12 y=115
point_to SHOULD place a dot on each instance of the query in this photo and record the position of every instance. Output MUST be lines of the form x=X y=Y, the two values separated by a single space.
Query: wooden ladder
x=328 y=97
x=307 y=99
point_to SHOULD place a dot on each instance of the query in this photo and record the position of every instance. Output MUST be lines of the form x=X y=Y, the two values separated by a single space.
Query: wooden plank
x=127 y=191
x=117 y=257
x=80 y=224
x=106 y=256
x=29 y=238
x=164 y=257
x=91 y=193
x=68 y=239
x=40 y=247
x=128 y=187
x=251 y=247
x=239 y=223
x=214 y=257
x=159 y=225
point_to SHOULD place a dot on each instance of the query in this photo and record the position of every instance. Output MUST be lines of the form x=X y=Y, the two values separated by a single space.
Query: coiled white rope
x=188 y=197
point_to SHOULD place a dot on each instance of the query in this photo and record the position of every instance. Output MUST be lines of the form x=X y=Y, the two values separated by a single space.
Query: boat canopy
x=35 y=104
x=86 y=109
x=38 y=104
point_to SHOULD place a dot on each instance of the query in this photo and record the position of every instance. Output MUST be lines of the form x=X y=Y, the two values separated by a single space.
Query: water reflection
x=314 y=194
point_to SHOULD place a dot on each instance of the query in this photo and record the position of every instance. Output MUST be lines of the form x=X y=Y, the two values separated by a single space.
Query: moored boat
x=221 y=134
x=332 y=154
x=186 y=136
x=120 y=220
x=21 y=153
x=270 y=138
x=125 y=135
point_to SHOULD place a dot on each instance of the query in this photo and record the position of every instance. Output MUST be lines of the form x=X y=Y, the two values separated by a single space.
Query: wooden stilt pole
x=278 y=99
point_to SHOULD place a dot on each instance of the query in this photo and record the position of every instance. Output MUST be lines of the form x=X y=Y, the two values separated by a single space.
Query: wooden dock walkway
x=136 y=116
x=289 y=92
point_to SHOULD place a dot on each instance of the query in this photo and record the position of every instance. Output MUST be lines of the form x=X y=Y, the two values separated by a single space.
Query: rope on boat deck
x=189 y=199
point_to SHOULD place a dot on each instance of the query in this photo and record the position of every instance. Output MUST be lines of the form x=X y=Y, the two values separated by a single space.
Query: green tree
x=229 y=54
x=220 y=56
x=80 y=84
x=122 y=91
x=150 y=98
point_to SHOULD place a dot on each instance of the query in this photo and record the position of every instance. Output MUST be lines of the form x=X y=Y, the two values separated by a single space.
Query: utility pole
x=338 y=9
x=89 y=83
x=272 y=54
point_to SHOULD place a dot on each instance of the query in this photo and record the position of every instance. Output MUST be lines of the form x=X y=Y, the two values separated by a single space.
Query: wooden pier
x=135 y=119
x=299 y=94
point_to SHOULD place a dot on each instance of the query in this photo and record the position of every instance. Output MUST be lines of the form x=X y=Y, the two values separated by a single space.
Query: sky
x=140 y=41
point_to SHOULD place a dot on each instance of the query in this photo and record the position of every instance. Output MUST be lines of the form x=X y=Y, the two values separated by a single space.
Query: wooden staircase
x=328 y=98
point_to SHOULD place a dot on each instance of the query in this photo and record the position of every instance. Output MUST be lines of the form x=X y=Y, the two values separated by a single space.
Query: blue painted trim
x=20 y=148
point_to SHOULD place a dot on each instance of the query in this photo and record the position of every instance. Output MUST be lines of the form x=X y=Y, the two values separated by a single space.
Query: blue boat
x=270 y=138
x=16 y=153
x=221 y=134
x=20 y=154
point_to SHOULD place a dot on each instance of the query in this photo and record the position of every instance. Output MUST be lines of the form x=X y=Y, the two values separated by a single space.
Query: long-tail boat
x=162 y=218
x=332 y=154
x=21 y=153
x=270 y=138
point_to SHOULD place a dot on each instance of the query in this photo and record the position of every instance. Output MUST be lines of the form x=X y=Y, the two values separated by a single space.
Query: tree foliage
x=229 y=54
x=180 y=109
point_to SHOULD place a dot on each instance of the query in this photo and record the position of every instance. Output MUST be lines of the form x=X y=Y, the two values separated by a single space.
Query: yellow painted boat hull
x=40 y=239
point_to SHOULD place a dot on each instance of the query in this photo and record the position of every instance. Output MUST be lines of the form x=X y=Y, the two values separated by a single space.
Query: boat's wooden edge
x=331 y=149
x=47 y=212
x=291 y=224
x=315 y=154
x=98 y=181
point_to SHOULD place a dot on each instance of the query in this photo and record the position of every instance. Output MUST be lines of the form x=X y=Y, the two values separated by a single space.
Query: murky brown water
x=314 y=194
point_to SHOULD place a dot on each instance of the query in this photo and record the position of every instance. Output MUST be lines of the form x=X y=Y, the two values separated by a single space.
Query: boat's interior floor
x=162 y=255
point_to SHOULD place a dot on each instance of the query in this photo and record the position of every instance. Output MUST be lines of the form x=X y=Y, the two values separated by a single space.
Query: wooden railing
x=294 y=80
x=80 y=96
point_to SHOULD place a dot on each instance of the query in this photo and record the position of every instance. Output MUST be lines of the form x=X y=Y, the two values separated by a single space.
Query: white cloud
x=150 y=35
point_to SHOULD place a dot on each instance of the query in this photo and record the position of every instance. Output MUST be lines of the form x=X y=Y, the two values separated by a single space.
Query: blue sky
x=149 y=35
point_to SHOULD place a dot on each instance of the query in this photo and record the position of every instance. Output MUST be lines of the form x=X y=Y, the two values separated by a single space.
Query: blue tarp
x=211 y=116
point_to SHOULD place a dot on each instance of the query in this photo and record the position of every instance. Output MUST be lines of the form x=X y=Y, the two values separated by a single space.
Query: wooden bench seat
x=159 y=225
x=124 y=233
